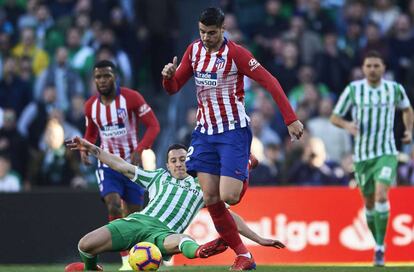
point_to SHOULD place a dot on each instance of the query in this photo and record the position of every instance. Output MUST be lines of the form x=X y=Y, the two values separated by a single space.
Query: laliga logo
x=357 y=236
x=296 y=235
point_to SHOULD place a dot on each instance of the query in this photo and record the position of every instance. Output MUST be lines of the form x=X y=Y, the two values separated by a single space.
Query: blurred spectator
x=352 y=41
x=76 y=115
x=332 y=65
x=161 y=30
x=262 y=131
x=406 y=171
x=81 y=57
x=63 y=77
x=61 y=8
x=6 y=25
x=271 y=24
x=313 y=169
x=306 y=76
x=108 y=42
x=354 y=12
x=27 y=48
x=12 y=143
x=25 y=72
x=184 y=133
x=44 y=21
x=28 y=20
x=337 y=141
x=83 y=23
x=268 y=172
x=9 y=182
x=5 y=46
x=121 y=28
x=375 y=42
x=32 y=121
x=287 y=68
x=384 y=13
x=309 y=102
x=14 y=92
x=356 y=73
x=55 y=165
x=401 y=48
x=308 y=42
x=13 y=9
x=317 y=18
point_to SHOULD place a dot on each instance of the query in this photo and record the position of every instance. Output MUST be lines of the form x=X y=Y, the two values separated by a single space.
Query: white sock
x=247 y=255
x=380 y=247
x=125 y=259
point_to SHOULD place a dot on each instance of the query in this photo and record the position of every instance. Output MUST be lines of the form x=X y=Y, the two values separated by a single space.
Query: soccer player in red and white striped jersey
x=114 y=115
x=220 y=144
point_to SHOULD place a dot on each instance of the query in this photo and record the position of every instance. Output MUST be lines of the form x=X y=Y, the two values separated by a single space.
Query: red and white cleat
x=79 y=266
x=211 y=248
x=243 y=263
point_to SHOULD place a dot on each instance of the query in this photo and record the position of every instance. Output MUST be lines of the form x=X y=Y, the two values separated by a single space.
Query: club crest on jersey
x=220 y=63
x=122 y=113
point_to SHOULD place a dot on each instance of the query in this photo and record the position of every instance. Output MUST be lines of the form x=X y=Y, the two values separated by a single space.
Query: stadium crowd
x=313 y=47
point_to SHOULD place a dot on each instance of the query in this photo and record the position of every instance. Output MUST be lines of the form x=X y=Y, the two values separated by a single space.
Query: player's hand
x=295 y=130
x=271 y=243
x=352 y=128
x=136 y=158
x=408 y=137
x=169 y=69
x=84 y=146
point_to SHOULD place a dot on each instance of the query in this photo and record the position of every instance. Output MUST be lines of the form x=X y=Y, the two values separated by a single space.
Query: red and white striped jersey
x=219 y=85
x=117 y=123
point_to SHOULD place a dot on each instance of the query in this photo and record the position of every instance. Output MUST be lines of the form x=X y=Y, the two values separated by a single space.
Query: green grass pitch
x=278 y=268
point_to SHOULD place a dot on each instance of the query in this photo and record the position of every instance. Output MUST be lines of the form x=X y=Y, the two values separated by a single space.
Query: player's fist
x=408 y=137
x=169 y=69
x=295 y=130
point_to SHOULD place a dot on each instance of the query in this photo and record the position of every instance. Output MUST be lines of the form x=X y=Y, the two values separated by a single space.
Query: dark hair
x=373 y=54
x=175 y=147
x=212 y=16
x=105 y=63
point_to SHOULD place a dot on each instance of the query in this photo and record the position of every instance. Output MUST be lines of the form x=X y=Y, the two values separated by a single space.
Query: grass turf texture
x=113 y=268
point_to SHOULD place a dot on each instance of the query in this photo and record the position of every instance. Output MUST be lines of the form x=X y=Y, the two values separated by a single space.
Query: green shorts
x=136 y=227
x=381 y=169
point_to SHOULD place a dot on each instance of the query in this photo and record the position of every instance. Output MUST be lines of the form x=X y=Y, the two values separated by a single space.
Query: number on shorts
x=189 y=153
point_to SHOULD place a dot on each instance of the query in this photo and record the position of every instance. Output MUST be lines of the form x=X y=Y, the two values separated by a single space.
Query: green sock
x=89 y=260
x=188 y=247
x=381 y=221
x=370 y=216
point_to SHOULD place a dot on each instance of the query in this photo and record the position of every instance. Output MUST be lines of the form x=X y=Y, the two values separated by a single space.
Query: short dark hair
x=105 y=63
x=175 y=147
x=212 y=16
x=373 y=54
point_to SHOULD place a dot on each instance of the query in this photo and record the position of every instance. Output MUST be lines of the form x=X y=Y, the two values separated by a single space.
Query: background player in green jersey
x=373 y=101
x=174 y=199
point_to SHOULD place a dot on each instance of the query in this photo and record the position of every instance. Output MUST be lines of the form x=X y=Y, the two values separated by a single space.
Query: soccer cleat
x=79 y=266
x=211 y=248
x=379 y=258
x=243 y=263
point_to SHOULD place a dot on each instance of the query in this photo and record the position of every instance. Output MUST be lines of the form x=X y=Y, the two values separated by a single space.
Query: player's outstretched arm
x=113 y=161
x=249 y=233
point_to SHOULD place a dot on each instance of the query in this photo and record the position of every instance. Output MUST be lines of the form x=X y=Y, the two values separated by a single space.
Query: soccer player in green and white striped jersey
x=174 y=200
x=373 y=101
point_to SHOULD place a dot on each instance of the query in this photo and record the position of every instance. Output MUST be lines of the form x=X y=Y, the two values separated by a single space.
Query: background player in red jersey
x=220 y=144
x=114 y=115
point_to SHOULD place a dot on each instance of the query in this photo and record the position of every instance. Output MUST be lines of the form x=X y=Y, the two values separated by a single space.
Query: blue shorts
x=110 y=181
x=223 y=154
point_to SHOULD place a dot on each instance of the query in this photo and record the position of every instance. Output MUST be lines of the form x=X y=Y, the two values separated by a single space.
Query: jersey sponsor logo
x=357 y=236
x=113 y=131
x=122 y=113
x=144 y=109
x=220 y=63
x=253 y=64
x=205 y=79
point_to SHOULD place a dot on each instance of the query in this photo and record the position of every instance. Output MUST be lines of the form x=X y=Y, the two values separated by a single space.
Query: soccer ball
x=145 y=256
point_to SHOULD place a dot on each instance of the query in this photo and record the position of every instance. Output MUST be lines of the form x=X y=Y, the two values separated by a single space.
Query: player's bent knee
x=84 y=245
x=231 y=199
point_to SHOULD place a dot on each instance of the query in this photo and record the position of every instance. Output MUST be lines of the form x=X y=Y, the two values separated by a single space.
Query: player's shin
x=89 y=260
x=370 y=217
x=226 y=227
x=188 y=247
x=381 y=220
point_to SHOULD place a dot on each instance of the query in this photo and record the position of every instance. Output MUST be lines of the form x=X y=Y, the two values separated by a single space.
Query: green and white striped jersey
x=373 y=109
x=173 y=201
